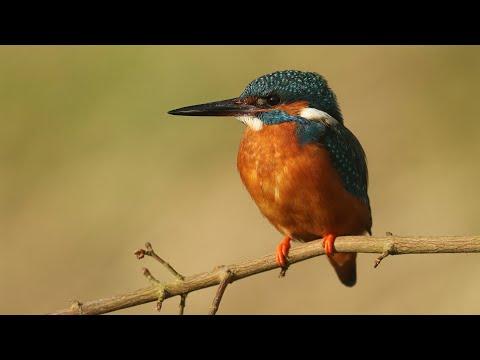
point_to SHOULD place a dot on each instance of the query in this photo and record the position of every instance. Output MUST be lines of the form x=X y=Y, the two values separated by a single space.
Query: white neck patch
x=318 y=115
x=252 y=122
x=312 y=114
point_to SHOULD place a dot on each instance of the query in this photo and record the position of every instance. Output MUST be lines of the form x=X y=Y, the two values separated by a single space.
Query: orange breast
x=296 y=186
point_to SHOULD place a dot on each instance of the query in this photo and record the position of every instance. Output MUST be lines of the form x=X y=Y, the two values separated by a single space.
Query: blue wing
x=347 y=154
x=349 y=159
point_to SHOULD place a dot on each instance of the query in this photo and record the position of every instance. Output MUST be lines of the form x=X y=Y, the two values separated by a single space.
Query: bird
x=304 y=169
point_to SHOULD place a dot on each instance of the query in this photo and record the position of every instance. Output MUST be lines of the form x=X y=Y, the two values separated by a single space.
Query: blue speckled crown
x=294 y=85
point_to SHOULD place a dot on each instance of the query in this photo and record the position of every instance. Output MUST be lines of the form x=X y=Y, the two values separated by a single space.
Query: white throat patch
x=318 y=115
x=252 y=122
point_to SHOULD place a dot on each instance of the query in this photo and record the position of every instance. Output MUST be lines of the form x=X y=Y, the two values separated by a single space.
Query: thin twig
x=149 y=276
x=225 y=279
x=302 y=252
x=160 y=299
x=388 y=249
x=150 y=252
x=140 y=254
x=161 y=287
x=183 y=299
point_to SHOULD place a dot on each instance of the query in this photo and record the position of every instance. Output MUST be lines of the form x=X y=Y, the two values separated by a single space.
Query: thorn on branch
x=225 y=278
x=388 y=250
x=379 y=259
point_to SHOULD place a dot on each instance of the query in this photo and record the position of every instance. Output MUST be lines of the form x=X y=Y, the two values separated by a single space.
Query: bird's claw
x=327 y=244
x=281 y=256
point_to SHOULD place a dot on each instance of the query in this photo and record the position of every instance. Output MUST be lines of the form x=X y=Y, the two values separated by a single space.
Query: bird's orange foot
x=282 y=252
x=327 y=243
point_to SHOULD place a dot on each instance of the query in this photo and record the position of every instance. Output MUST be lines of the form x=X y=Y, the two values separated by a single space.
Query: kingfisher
x=305 y=170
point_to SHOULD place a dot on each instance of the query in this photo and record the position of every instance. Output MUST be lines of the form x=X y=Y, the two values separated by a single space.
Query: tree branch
x=225 y=279
x=150 y=252
x=140 y=254
x=387 y=245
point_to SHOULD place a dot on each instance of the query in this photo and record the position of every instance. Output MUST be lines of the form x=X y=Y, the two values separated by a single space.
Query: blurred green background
x=92 y=167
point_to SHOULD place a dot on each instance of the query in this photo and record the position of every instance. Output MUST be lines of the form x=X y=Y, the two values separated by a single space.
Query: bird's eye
x=269 y=100
x=273 y=100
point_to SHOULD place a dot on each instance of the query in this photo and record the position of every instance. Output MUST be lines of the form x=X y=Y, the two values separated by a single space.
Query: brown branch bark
x=387 y=245
x=225 y=279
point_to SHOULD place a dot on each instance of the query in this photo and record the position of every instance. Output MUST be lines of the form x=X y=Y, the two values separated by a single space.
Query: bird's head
x=275 y=98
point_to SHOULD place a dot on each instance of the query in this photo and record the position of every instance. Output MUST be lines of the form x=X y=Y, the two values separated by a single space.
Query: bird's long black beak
x=230 y=107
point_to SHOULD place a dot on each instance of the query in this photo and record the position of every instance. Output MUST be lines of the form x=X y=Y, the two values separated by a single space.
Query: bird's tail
x=345 y=265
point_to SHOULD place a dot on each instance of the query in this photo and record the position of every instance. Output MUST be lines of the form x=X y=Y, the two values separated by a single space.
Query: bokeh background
x=92 y=167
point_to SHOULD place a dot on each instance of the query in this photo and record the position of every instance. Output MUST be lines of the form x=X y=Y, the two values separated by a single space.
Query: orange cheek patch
x=293 y=108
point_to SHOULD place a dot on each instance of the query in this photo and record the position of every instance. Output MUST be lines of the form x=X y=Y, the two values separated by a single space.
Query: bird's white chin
x=252 y=122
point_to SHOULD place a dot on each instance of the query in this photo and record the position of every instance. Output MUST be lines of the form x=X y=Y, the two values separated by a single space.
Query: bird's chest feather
x=295 y=186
